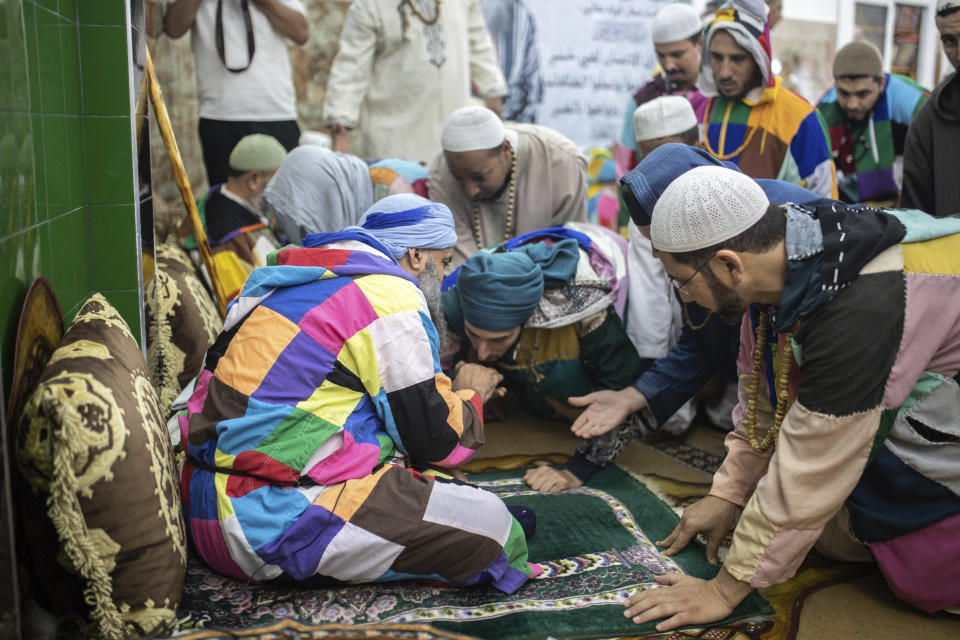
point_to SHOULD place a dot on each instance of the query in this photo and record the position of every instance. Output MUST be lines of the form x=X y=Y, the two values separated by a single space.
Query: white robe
x=551 y=189
x=654 y=317
x=383 y=82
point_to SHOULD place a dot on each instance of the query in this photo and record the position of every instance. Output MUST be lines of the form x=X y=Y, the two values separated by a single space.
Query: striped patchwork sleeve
x=810 y=150
x=827 y=435
x=396 y=356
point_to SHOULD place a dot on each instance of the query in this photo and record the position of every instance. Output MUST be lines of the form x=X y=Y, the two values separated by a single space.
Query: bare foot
x=550 y=480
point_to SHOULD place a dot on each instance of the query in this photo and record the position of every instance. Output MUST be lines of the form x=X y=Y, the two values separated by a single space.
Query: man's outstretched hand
x=685 y=600
x=605 y=410
x=711 y=516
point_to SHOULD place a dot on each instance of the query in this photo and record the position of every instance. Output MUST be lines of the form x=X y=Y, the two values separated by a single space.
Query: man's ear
x=417 y=258
x=730 y=270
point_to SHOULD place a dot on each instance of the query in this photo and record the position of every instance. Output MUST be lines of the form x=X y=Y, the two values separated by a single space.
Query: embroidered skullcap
x=858 y=58
x=662 y=117
x=407 y=220
x=704 y=207
x=472 y=129
x=499 y=291
x=257 y=152
x=943 y=5
x=675 y=22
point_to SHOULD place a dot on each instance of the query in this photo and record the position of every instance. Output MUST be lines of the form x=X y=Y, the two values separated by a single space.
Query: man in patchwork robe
x=325 y=380
x=847 y=434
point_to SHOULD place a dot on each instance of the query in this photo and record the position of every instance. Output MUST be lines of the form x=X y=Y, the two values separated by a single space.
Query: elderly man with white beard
x=320 y=406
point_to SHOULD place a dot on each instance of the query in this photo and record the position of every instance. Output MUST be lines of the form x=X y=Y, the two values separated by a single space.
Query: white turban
x=704 y=207
x=674 y=22
x=472 y=129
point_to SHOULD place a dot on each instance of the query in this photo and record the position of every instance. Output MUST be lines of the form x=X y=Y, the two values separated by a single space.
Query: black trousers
x=219 y=137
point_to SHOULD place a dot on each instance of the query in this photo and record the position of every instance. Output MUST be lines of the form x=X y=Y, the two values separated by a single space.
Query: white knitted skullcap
x=943 y=5
x=704 y=207
x=674 y=22
x=471 y=129
x=662 y=117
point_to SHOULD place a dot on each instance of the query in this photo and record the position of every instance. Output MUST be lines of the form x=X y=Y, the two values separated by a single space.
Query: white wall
x=811 y=10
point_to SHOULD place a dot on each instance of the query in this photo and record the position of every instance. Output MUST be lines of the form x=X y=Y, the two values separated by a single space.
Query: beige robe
x=551 y=189
x=382 y=80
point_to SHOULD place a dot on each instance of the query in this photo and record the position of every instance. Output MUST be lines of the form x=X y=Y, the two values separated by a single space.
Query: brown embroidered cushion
x=182 y=323
x=93 y=447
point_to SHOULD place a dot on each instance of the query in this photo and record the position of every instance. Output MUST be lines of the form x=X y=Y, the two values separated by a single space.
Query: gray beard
x=430 y=285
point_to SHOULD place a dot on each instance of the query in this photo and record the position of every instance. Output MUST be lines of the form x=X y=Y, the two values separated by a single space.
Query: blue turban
x=407 y=220
x=499 y=291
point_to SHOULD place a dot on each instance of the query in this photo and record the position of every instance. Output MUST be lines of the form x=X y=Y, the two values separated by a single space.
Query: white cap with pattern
x=662 y=117
x=704 y=207
x=472 y=129
x=674 y=22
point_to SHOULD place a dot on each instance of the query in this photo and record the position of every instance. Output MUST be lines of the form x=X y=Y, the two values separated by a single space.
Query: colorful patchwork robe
x=779 y=135
x=327 y=372
x=874 y=416
x=869 y=154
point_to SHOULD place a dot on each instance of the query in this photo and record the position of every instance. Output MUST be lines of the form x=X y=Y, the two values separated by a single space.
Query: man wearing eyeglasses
x=244 y=78
x=930 y=160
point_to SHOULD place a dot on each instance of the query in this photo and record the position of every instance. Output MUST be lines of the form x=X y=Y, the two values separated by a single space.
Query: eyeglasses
x=682 y=286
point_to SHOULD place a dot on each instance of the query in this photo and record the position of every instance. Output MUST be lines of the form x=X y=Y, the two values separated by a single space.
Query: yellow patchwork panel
x=753 y=536
x=388 y=294
x=224 y=506
x=941 y=255
x=331 y=402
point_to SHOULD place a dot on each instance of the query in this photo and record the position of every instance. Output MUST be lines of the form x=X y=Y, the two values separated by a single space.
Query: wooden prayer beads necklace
x=511 y=200
x=686 y=318
x=759 y=443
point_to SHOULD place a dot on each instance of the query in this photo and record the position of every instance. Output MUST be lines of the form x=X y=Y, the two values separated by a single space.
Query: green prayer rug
x=594 y=545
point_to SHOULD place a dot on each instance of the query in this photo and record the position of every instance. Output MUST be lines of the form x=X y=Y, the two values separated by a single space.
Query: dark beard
x=430 y=285
x=731 y=305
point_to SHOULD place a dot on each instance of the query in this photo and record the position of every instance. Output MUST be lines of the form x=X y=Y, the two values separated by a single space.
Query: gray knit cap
x=858 y=58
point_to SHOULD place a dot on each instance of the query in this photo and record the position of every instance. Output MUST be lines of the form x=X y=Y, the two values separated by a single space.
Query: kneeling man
x=847 y=433
x=324 y=383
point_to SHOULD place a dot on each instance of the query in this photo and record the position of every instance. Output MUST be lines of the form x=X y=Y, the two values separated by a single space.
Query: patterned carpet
x=593 y=545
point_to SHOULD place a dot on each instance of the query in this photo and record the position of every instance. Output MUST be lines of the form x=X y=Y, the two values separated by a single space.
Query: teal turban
x=499 y=291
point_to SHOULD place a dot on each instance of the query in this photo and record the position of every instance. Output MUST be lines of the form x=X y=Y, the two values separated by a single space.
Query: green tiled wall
x=68 y=196
x=68 y=200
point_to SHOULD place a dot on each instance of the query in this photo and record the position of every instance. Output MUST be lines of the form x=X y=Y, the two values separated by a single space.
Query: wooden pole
x=183 y=182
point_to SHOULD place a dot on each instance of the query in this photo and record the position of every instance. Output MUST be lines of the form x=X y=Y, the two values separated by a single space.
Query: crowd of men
x=379 y=304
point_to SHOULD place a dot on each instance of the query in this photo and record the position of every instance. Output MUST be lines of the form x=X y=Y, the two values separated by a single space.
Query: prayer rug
x=593 y=545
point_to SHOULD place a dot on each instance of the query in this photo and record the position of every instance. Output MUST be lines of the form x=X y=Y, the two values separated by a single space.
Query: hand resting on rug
x=549 y=480
x=605 y=410
x=711 y=516
x=685 y=600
